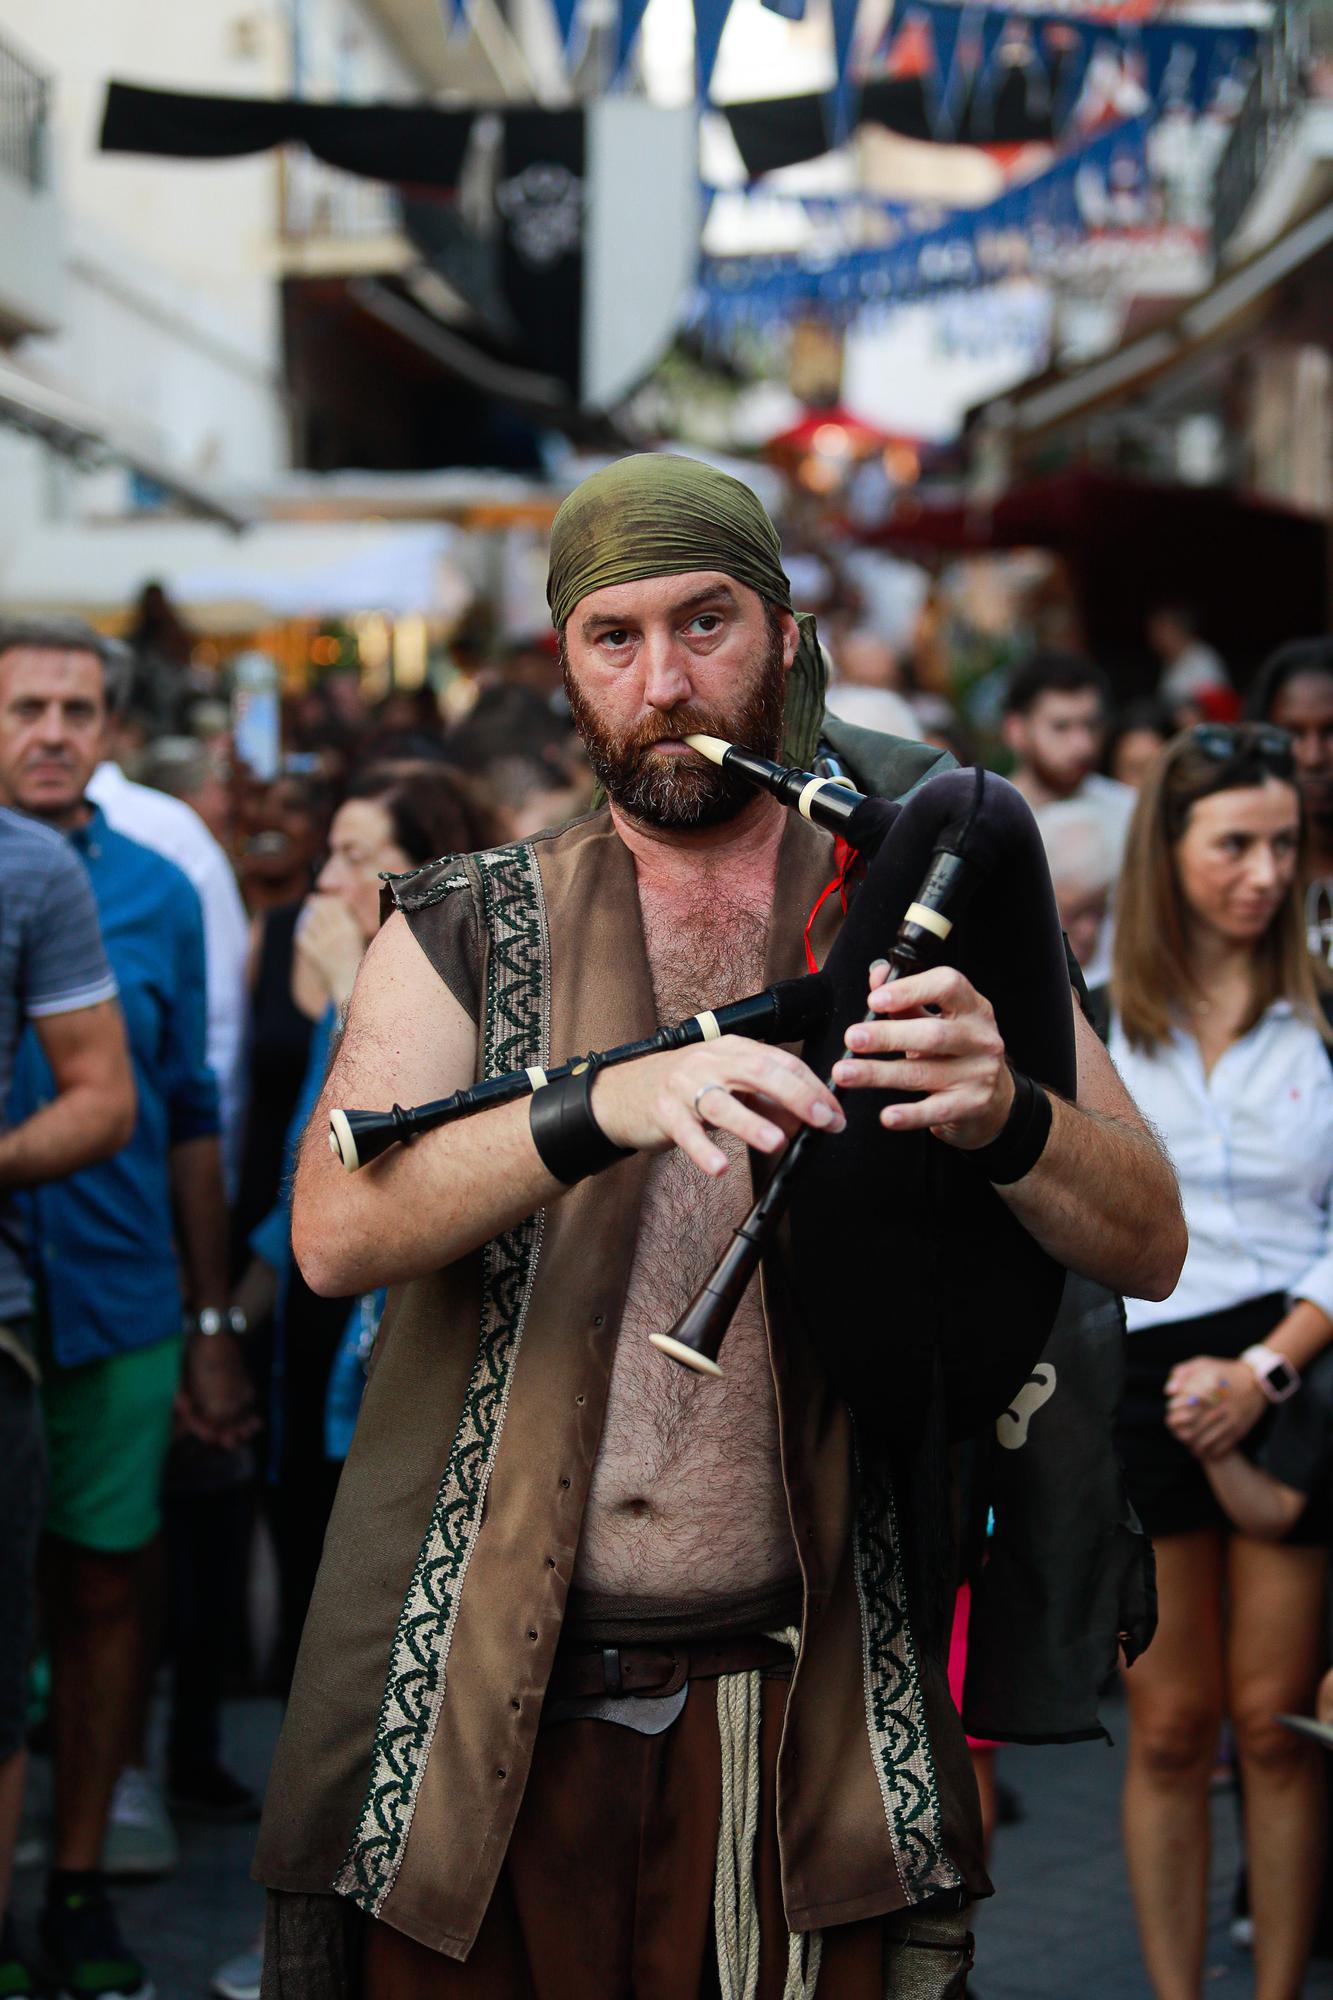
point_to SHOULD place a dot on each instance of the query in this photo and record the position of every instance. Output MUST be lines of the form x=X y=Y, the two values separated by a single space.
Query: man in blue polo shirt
x=113 y=1246
x=54 y=978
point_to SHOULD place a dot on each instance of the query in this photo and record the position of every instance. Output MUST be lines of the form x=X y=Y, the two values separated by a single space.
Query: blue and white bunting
x=627 y=29
x=710 y=18
x=843 y=94
x=1098 y=191
x=566 y=18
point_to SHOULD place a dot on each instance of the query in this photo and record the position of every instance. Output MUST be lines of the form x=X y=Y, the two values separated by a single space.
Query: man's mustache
x=672 y=728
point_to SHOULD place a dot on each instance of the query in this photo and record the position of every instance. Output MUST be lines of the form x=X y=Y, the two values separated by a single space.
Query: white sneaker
x=239 y=1978
x=140 y=1839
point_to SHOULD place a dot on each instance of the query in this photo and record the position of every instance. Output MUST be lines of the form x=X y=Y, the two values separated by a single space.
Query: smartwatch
x=1275 y=1374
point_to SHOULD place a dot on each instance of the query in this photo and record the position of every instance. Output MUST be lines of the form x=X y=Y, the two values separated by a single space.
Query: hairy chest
x=706 y=944
x=697 y=959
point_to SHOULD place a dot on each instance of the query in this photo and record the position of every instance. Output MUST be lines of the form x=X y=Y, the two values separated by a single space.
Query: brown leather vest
x=449 y=1555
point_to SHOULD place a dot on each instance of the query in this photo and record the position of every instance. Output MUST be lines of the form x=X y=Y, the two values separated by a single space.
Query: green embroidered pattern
x=514 y=1034
x=417 y=888
x=895 y=1711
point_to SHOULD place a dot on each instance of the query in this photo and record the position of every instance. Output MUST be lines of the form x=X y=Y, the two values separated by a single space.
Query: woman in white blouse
x=1218 y=1032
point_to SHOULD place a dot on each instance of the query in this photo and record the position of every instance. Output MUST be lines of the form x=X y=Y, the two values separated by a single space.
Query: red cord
x=846 y=858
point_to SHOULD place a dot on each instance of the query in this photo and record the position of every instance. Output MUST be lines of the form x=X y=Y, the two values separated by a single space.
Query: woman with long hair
x=1219 y=1034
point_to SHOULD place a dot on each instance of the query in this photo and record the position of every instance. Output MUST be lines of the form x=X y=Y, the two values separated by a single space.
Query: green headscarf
x=658 y=515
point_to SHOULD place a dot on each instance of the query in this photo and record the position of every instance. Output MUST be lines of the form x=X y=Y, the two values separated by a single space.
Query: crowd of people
x=177 y=953
x=178 y=946
x=1190 y=860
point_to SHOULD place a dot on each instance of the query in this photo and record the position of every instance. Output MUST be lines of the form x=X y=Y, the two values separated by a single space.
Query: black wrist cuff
x=569 y=1141
x=1017 y=1147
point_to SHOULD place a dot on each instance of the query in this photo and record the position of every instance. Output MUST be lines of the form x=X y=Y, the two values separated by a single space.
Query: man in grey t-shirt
x=53 y=974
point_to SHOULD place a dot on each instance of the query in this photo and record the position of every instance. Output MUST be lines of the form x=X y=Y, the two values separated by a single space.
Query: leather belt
x=581 y=1672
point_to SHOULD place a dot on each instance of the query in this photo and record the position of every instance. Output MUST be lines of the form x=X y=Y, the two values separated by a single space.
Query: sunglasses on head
x=1259 y=740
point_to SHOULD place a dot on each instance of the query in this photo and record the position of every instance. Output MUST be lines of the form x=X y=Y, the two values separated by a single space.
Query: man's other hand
x=954 y=1055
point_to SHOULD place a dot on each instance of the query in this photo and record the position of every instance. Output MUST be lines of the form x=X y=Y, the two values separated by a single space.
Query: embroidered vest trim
x=515 y=1033
x=895 y=1710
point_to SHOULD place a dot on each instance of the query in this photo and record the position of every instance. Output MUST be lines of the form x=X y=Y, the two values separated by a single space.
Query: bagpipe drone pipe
x=903 y=1259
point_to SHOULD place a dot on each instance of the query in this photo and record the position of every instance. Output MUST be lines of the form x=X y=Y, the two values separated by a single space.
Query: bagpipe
x=900 y=1252
x=784 y=1012
x=933 y=1310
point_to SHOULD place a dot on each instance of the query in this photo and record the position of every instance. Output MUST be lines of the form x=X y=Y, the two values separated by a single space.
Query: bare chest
x=687 y=1496
x=705 y=944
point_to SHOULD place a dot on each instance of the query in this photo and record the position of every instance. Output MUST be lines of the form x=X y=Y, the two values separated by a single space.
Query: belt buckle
x=613 y=1680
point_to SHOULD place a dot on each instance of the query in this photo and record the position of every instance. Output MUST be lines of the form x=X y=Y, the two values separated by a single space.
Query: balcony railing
x=320 y=202
x=1277 y=90
x=25 y=101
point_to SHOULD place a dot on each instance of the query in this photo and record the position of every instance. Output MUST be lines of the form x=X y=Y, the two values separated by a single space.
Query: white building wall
x=170 y=320
x=208 y=224
x=347 y=52
x=31 y=256
x=30 y=483
x=166 y=364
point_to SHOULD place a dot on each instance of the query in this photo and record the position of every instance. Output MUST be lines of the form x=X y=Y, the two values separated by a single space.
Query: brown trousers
x=607 y=1889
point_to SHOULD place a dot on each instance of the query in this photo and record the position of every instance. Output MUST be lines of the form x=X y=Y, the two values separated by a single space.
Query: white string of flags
x=957 y=57
x=1101 y=191
x=998 y=78
x=1098 y=85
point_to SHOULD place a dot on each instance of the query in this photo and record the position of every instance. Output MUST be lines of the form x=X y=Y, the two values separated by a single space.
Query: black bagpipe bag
x=904 y=1256
x=941 y=1320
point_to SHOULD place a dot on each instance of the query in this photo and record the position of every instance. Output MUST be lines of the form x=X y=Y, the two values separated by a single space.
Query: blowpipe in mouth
x=714 y=748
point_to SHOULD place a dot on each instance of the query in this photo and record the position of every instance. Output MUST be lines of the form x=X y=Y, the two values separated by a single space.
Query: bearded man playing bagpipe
x=610 y=1683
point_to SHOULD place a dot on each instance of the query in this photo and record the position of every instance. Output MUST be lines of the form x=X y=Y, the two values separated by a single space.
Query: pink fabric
x=962 y=1611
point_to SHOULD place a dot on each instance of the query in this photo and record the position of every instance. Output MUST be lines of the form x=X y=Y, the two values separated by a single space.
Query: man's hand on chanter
x=761 y=1094
x=1100 y=1197
x=955 y=1055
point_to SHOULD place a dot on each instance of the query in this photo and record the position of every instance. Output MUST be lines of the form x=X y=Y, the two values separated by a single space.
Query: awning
x=280 y=570
x=1072 y=510
x=92 y=439
x=1130 y=544
x=336 y=573
x=1050 y=401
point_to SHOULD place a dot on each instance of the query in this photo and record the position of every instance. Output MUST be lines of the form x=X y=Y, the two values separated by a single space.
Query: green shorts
x=108 y=1426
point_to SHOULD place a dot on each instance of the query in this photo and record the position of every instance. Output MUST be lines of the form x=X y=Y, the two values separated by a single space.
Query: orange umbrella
x=833 y=441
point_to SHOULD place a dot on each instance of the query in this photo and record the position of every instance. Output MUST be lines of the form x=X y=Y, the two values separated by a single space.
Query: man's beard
x=671 y=791
x=1060 y=779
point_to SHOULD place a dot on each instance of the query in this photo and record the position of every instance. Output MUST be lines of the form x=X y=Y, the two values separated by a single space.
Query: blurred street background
x=311 y=311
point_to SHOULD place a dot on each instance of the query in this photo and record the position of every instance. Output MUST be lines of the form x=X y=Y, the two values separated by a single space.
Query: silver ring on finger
x=701 y=1093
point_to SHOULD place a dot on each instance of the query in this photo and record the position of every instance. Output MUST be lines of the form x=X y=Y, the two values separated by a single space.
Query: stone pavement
x=185 y=1926
x=1060 y=1926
